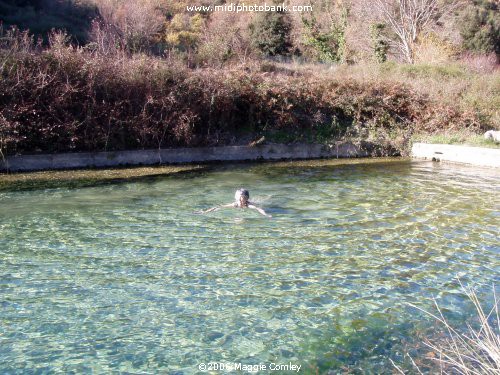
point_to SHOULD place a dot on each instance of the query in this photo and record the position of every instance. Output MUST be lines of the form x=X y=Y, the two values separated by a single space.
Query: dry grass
x=472 y=91
x=461 y=137
x=474 y=351
x=449 y=85
x=65 y=98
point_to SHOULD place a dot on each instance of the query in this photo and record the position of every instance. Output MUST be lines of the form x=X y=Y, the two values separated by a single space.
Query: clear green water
x=125 y=277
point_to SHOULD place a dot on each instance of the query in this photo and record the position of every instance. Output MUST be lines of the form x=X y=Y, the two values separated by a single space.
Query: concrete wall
x=480 y=156
x=176 y=156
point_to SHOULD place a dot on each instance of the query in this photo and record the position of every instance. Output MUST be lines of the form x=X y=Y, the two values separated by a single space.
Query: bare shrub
x=137 y=24
x=224 y=39
x=481 y=63
x=59 y=43
x=431 y=49
x=105 y=38
x=8 y=136
x=16 y=41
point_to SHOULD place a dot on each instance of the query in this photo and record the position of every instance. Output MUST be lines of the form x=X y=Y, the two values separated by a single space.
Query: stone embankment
x=177 y=156
x=480 y=156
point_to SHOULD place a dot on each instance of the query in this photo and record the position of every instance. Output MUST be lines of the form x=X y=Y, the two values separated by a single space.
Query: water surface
x=126 y=277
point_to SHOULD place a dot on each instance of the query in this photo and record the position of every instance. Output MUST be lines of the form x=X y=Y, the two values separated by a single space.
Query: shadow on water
x=74 y=179
x=365 y=344
x=376 y=342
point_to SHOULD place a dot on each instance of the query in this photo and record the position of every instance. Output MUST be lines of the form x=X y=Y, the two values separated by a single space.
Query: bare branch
x=407 y=18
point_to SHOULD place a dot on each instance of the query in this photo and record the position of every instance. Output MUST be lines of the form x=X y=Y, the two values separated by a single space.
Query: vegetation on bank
x=463 y=138
x=63 y=98
x=149 y=73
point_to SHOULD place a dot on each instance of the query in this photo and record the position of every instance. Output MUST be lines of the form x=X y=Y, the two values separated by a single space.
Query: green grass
x=434 y=71
x=456 y=138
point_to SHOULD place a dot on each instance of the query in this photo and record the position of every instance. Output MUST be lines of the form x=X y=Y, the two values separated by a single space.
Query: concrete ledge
x=177 y=156
x=480 y=156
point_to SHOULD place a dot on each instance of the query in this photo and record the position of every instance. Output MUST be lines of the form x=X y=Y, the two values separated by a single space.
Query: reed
x=473 y=351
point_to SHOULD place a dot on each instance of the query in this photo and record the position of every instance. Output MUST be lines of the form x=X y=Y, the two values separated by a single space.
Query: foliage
x=183 y=31
x=380 y=44
x=224 y=39
x=329 y=45
x=67 y=98
x=135 y=25
x=480 y=27
x=333 y=32
x=64 y=99
x=271 y=33
x=41 y=16
x=431 y=49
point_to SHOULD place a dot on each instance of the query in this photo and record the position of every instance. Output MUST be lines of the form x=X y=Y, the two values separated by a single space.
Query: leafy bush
x=380 y=44
x=183 y=32
x=271 y=33
x=330 y=45
x=480 y=28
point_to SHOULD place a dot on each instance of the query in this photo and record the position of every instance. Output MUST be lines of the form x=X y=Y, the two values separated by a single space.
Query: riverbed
x=127 y=276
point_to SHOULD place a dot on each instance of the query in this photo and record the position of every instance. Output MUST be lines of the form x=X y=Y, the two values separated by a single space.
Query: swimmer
x=241 y=198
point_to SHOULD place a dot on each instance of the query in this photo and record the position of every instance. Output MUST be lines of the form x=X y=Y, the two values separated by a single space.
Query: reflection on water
x=126 y=277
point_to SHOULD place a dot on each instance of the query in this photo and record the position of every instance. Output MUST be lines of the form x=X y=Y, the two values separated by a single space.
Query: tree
x=271 y=33
x=480 y=27
x=137 y=24
x=184 y=32
x=380 y=45
x=407 y=19
x=330 y=45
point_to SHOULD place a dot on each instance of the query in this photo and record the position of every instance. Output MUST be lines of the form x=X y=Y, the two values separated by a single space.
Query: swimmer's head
x=242 y=195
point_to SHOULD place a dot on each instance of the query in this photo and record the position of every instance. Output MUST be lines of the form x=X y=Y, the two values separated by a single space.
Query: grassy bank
x=63 y=98
x=464 y=138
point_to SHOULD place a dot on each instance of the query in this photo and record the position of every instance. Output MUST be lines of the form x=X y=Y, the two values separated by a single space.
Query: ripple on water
x=126 y=278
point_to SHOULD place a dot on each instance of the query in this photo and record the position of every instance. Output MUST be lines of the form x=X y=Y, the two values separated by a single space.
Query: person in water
x=242 y=200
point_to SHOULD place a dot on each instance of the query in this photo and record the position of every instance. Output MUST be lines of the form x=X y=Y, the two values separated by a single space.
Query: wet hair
x=241 y=192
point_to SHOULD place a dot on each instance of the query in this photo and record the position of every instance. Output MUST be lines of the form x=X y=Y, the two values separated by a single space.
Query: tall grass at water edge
x=470 y=350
